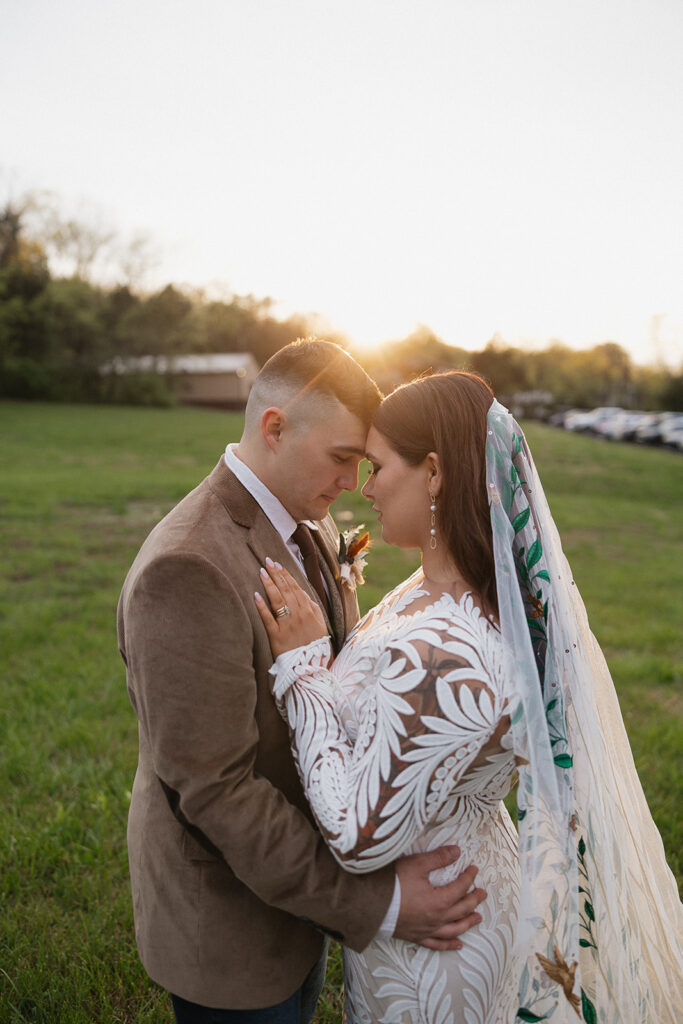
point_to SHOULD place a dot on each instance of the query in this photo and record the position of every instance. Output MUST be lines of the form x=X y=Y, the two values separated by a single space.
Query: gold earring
x=432 y=522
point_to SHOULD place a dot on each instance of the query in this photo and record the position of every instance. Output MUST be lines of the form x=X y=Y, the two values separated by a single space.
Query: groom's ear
x=272 y=425
x=434 y=473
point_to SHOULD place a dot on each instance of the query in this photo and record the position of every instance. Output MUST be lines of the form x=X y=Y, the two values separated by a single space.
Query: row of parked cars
x=663 y=428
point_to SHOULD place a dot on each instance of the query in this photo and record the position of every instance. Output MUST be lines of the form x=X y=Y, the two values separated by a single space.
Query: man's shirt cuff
x=386 y=929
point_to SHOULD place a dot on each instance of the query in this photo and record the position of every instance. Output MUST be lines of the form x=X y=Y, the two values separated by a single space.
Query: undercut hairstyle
x=446 y=413
x=308 y=369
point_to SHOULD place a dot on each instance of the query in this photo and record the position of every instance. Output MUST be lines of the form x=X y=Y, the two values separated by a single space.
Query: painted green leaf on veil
x=589 y=910
x=588 y=1009
x=535 y=552
x=563 y=761
x=520 y=521
x=498 y=458
x=519 y=711
x=525 y=1014
x=499 y=426
x=543 y=575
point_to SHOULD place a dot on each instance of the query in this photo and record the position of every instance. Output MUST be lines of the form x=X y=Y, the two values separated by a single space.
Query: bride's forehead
x=376 y=443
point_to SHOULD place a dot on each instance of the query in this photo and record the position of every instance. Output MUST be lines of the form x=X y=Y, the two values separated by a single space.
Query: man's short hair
x=315 y=367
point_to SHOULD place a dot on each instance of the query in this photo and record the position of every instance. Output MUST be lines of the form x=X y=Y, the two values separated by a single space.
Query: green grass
x=80 y=488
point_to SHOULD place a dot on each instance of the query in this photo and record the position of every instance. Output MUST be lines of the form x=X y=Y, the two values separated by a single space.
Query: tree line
x=58 y=328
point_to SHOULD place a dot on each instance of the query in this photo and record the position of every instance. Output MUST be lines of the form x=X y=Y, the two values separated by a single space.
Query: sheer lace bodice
x=402 y=745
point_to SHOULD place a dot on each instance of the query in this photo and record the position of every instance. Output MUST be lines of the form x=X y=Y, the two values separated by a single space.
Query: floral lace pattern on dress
x=402 y=745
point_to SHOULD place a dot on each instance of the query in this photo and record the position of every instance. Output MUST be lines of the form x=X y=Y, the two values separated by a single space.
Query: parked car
x=633 y=423
x=559 y=419
x=621 y=426
x=616 y=424
x=648 y=431
x=653 y=429
x=588 y=421
x=672 y=432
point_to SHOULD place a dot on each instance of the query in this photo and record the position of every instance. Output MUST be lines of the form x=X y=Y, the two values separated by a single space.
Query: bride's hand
x=295 y=618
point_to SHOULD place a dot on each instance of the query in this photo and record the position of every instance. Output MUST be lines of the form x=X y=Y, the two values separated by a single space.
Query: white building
x=212 y=378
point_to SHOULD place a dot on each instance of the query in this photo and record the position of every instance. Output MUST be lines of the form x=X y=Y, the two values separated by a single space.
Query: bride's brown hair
x=446 y=414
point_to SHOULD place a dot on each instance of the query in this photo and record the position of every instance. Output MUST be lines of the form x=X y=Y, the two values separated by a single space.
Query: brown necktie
x=307 y=546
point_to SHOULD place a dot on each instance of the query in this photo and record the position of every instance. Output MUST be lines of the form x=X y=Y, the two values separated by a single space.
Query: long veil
x=600 y=923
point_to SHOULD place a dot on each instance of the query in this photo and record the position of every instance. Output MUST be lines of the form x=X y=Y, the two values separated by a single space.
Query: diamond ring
x=282 y=611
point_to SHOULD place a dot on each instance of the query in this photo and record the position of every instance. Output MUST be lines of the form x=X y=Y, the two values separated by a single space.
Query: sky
x=482 y=167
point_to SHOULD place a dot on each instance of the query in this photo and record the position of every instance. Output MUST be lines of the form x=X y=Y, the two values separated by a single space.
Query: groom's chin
x=319 y=509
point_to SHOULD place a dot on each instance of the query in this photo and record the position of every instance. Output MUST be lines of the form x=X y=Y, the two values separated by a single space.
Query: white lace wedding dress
x=402 y=745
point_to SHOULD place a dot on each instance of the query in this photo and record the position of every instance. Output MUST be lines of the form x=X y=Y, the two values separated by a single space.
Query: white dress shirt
x=285 y=525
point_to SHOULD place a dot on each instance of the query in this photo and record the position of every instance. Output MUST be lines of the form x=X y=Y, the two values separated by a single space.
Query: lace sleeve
x=431 y=711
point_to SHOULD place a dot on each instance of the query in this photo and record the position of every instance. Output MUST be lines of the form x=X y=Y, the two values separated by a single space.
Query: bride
x=477 y=671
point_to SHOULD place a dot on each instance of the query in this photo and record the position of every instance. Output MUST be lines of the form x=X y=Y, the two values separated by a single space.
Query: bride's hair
x=446 y=413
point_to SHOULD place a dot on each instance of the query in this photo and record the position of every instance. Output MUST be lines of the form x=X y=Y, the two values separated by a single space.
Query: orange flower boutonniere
x=353 y=546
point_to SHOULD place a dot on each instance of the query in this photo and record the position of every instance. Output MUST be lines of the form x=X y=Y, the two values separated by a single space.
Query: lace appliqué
x=402 y=745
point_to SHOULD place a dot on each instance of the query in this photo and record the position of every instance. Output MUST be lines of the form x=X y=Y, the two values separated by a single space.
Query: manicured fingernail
x=278 y=566
x=257 y=597
x=270 y=563
x=264 y=574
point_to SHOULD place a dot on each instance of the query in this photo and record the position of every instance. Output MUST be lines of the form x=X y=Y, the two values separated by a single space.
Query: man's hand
x=434 y=916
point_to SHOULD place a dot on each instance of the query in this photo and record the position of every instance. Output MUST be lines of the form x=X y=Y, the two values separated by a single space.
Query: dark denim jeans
x=298 y=1009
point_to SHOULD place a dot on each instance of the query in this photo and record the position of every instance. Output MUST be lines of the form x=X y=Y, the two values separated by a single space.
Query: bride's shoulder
x=455 y=612
x=407 y=593
x=403 y=600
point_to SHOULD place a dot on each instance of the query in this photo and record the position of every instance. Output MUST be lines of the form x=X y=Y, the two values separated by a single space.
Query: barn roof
x=208 y=362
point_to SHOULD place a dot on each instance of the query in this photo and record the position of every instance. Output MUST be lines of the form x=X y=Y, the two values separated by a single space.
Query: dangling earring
x=432 y=523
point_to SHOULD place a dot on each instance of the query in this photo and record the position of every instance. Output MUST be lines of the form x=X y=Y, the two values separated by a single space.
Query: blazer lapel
x=336 y=604
x=264 y=541
x=262 y=546
x=343 y=599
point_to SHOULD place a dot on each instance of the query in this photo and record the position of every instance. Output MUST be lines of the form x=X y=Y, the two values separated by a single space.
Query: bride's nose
x=366 y=489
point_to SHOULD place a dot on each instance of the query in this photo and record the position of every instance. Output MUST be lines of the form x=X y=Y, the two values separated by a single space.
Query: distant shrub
x=26 y=379
x=136 y=389
x=30 y=380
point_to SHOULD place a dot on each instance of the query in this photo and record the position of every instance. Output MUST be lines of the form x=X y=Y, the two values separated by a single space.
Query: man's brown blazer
x=231 y=879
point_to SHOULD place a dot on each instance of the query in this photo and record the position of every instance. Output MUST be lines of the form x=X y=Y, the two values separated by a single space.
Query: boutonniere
x=353 y=547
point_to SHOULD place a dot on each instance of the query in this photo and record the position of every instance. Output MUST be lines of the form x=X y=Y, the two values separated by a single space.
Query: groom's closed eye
x=343 y=455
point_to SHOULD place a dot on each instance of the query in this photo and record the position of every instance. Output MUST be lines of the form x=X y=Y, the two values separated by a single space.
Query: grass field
x=80 y=488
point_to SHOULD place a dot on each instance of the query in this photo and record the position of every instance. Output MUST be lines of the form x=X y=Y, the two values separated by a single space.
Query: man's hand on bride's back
x=434 y=916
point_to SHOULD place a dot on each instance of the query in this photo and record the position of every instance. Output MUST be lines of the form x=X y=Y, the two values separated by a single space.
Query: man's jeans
x=298 y=1009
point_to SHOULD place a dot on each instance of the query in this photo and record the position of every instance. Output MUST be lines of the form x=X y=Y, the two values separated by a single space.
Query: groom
x=233 y=886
